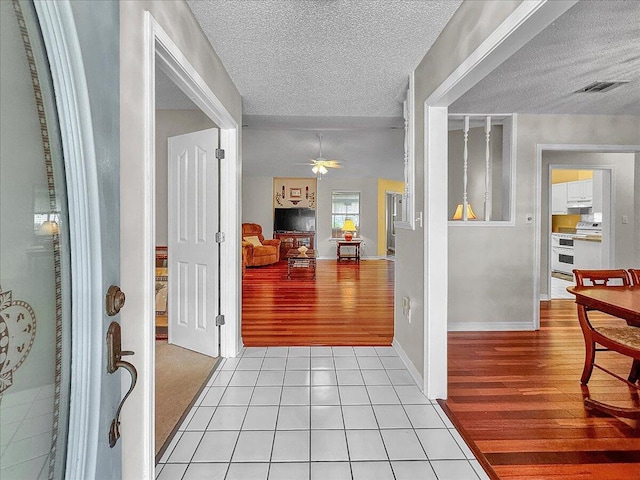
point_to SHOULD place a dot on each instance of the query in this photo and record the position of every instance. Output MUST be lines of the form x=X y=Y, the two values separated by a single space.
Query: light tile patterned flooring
x=559 y=288
x=319 y=413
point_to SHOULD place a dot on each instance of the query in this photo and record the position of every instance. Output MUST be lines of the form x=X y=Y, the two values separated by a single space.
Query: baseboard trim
x=413 y=371
x=491 y=327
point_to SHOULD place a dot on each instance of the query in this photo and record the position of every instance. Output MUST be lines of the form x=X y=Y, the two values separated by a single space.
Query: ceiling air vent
x=597 y=87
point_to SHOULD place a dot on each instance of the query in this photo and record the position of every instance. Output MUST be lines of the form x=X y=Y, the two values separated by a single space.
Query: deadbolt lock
x=115 y=300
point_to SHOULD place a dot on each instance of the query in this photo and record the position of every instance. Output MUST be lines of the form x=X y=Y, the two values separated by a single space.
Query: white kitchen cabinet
x=580 y=192
x=587 y=254
x=559 y=199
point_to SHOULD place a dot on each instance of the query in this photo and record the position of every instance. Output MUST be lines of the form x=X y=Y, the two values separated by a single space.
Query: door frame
x=63 y=53
x=522 y=25
x=138 y=452
x=591 y=148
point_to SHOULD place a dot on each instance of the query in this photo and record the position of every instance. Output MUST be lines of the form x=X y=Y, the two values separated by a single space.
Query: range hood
x=584 y=207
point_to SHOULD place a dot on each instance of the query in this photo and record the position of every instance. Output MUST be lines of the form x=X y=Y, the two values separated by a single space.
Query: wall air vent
x=598 y=87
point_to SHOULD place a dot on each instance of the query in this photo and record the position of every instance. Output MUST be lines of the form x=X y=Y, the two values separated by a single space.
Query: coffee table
x=295 y=259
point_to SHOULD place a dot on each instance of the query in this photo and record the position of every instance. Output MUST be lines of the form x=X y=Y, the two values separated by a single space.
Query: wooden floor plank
x=346 y=304
x=516 y=397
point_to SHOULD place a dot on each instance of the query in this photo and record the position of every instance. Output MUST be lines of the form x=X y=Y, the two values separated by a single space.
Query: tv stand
x=289 y=240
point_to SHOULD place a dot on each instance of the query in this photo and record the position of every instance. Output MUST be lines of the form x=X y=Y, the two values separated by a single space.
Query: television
x=294 y=220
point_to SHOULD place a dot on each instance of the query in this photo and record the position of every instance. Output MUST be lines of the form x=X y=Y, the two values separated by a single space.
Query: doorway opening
x=182 y=364
x=580 y=218
x=603 y=175
x=138 y=447
x=393 y=207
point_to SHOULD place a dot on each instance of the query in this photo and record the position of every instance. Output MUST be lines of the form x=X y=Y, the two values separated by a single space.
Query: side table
x=354 y=255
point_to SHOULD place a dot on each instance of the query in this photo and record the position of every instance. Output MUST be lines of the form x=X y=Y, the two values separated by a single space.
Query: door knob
x=114 y=362
x=115 y=300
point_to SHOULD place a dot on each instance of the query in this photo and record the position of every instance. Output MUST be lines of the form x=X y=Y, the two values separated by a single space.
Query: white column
x=487 y=173
x=466 y=165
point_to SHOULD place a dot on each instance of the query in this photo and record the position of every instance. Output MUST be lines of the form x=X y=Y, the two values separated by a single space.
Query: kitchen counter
x=588 y=238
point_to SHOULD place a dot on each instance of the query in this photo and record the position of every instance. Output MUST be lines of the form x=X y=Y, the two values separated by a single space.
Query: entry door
x=193 y=251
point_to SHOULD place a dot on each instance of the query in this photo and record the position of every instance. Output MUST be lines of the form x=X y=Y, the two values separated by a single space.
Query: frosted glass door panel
x=34 y=258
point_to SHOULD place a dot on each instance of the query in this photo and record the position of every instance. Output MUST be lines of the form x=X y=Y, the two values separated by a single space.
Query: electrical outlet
x=625 y=219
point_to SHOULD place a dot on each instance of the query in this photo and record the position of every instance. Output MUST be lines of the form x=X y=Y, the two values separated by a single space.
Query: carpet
x=180 y=375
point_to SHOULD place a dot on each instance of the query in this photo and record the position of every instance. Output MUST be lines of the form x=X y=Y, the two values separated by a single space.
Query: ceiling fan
x=320 y=164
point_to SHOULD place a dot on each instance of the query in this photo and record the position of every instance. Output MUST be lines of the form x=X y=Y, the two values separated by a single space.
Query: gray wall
x=257 y=203
x=371 y=153
x=170 y=123
x=495 y=265
x=368 y=228
x=477 y=20
x=177 y=20
x=257 y=207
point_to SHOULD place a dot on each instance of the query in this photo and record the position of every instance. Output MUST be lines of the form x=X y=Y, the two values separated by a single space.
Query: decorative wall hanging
x=17 y=332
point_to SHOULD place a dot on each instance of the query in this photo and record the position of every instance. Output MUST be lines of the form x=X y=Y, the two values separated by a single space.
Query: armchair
x=258 y=250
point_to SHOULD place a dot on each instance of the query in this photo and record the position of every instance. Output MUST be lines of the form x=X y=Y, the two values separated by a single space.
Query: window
x=481 y=159
x=344 y=205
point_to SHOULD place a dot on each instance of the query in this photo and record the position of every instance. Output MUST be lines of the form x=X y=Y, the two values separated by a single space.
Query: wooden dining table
x=621 y=302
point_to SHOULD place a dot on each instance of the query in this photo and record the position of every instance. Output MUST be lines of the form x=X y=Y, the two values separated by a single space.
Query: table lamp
x=458 y=214
x=348 y=227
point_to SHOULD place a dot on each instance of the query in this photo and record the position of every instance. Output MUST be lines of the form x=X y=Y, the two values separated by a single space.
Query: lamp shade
x=349 y=226
x=48 y=228
x=458 y=214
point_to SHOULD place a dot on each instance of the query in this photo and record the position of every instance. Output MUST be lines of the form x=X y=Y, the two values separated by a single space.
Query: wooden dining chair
x=601 y=278
x=622 y=339
x=634 y=274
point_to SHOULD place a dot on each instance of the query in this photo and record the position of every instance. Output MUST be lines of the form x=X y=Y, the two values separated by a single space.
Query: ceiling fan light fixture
x=323 y=169
x=315 y=169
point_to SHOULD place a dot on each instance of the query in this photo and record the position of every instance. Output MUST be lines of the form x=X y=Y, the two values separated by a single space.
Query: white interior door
x=193 y=251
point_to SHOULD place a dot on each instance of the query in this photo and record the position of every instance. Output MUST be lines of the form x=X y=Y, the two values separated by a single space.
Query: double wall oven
x=562 y=252
x=562 y=259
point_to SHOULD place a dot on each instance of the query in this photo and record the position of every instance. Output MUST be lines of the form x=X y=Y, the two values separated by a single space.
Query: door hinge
x=219 y=320
x=220 y=153
x=219 y=237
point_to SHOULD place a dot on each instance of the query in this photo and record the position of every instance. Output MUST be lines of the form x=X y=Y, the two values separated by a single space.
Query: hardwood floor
x=347 y=304
x=517 y=397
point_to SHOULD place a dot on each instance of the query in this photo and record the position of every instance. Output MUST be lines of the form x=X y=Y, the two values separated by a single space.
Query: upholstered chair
x=258 y=250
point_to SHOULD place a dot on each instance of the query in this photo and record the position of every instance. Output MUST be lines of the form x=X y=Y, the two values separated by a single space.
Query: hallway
x=319 y=413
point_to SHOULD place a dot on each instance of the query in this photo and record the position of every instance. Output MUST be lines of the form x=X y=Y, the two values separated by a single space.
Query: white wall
x=170 y=123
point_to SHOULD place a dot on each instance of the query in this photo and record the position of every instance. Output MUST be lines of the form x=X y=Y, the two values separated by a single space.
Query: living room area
x=346 y=298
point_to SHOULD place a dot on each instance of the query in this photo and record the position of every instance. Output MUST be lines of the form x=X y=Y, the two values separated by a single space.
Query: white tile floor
x=316 y=413
x=559 y=288
x=26 y=424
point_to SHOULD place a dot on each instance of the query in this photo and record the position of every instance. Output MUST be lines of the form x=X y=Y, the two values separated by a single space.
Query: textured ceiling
x=593 y=41
x=322 y=58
